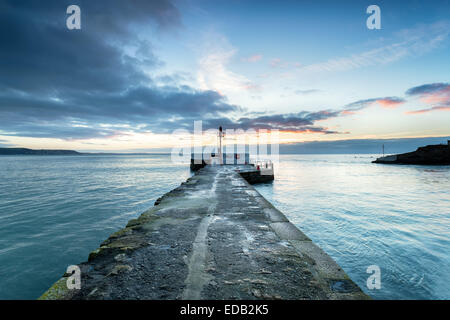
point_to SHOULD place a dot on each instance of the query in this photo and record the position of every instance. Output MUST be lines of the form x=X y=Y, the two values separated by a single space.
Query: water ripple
x=55 y=210
x=396 y=217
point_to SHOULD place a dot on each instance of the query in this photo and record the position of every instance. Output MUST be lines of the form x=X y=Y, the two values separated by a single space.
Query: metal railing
x=264 y=166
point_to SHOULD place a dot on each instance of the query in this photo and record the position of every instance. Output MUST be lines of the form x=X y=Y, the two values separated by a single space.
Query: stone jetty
x=213 y=237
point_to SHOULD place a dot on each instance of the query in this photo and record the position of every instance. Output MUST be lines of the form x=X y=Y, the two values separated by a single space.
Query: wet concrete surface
x=213 y=237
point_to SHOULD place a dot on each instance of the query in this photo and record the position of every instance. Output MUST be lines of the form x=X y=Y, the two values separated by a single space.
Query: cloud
x=5 y=144
x=390 y=102
x=53 y=79
x=386 y=102
x=409 y=42
x=431 y=88
x=40 y=56
x=278 y=63
x=253 y=58
x=304 y=121
x=309 y=91
x=80 y=85
x=301 y=122
x=91 y=83
x=437 y=108
x=29 y=116
x=213 y=73
x=436 y=95
x=107 y=18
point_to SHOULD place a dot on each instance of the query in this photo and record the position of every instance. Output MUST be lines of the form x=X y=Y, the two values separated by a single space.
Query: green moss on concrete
x=58 y=291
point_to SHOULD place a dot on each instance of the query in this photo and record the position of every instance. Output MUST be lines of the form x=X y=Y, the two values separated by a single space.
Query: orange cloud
x=436 y=95
x=389 y=103
x=438 y=108
x=439 y=97
x=386 y=102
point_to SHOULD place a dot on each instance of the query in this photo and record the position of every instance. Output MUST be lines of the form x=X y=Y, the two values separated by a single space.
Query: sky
x=139 y=73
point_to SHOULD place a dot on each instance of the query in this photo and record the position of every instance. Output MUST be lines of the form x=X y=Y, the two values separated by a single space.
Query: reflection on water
x=362 y=214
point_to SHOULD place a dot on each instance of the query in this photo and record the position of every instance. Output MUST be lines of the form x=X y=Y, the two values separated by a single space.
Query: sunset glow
x=128 y=85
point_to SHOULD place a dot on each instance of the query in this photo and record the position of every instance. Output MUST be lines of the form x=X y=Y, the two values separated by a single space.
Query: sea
x=54 y=210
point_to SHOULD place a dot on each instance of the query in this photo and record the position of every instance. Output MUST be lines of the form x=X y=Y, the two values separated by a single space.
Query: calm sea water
x=55 y=210
x=362 y=214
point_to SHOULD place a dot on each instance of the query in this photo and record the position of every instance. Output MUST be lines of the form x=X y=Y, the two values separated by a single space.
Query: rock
x=119 y=269
x=120 y=257
x=429 y=155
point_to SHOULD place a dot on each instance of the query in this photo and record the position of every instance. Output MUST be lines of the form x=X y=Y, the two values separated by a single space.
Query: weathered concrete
x=213 y=237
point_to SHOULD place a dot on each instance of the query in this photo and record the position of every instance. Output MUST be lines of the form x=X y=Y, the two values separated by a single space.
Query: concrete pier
x=213 y=237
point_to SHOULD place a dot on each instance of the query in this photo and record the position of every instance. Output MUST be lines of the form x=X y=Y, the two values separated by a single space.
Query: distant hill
x=25 y=151
x=428 y=155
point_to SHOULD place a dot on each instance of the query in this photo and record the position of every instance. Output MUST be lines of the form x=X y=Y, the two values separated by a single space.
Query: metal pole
x=220 y=145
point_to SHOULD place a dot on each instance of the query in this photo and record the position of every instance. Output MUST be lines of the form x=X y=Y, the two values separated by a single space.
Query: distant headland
x=429 y=155
x=42 y=152
x=52 y=152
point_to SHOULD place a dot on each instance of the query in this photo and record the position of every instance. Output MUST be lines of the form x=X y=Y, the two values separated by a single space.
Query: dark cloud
x=64 y=84
x=436 y=95
x=102 y=16
x=67 y=132
x=362 y=104
x=297 y=122
x=35 y=117
x=53 y=78
x=428 y=89
x=89 y=83
x=40 y=55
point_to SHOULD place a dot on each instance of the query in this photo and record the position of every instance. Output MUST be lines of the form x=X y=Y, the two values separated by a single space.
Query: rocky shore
x=428 y=155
